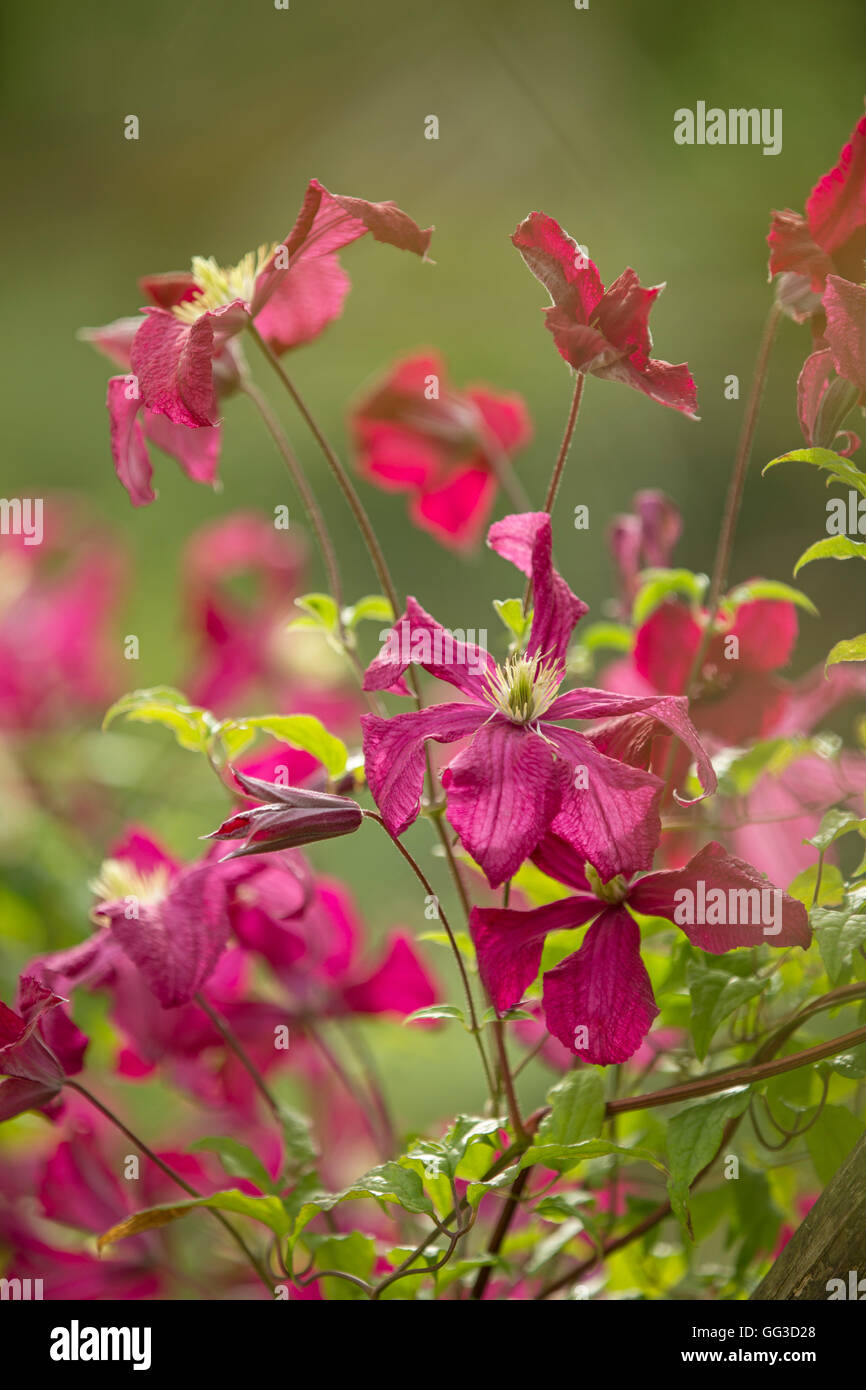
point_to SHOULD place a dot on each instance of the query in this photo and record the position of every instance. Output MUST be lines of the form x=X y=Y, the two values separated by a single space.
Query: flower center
x=119 y=878
x=217 y=285
x=523 y=687
x=614 y=891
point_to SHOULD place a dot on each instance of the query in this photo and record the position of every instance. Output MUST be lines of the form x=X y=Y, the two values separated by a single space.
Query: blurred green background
x=540 y=106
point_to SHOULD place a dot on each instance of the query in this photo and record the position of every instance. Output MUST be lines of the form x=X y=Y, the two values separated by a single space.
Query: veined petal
x=400 y=984
x=609 y=811
x=173 y=363
x=303 y=303
x=670 y=710
x=793 y=248
x=555 y=259
x=128 y=449
x=836 y=207
x=394 y=760
x=845 y=306
x=503 y=791
x=509 y=943
x=417 y=638
x=525 y=538
x=763 y=915
x=603 y=988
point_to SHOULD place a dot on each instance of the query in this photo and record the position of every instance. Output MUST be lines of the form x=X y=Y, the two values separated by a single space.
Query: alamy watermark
x=22 y=516
x=736 y=126
x=441 y=647
x=718 y=907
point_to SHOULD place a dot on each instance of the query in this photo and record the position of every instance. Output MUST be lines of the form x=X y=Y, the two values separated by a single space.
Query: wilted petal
x=503 y=791
x=555 y=259
x=509 y=943
x=748 y=895
x=604 y=987
x=836 y=207
x=793 y=248
x=303 y=303
x=845 y=306
x=128 y=449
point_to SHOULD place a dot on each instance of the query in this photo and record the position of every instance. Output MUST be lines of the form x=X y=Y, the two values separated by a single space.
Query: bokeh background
x=540 y=106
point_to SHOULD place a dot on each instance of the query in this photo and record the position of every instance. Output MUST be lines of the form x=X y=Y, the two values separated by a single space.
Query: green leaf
x=830 y=893
x=769 y=589
x=738 y=770
x=351 y=1253
x=715 y=994
x=238 y=1160
x=831 y=1139
x=835 y=824
x=660 y=584
x=303 y=731
x=552 y=1245
x=851 y=1064
x=614 y=637
x=839 y=930
x=443 y=1157
x=564 y=1157
x=832 y=548
x=576 y=1109
x=192 y=726
x=373 y=608
x=269 y=1210
x=322 y=611
x=851 y=649
x=694 y=1135
x=839 y=468
x=510 y=611
x=298 y=1143
x=437 y=1011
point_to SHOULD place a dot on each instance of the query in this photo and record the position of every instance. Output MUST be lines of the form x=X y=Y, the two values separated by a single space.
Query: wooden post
x=830 y=1243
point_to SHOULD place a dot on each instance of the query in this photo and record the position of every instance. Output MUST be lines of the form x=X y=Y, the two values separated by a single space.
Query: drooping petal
x=173 y=363
x=113 y=340
x=394 y=760
x=670 y=710
x=845 y=306
x=824 y=399
x=751 y=911
x=304 y=303
x=603 y=988
x=793 y=248
x=417 y=638
x=526 y=539
x=503 y=791
x=456 y=512
x=665 y=647
x=196 y=450
x=609 y=811
x=509 y=943
x=128 y=449
x=555 y=259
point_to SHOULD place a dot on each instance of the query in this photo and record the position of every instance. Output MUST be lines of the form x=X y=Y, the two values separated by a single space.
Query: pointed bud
x=287 y=817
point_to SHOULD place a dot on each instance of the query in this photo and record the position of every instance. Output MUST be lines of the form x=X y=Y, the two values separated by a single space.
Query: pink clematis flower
x=643 y=539
x=522 y=772
x=444 y=448
x=830 y=239
x=824 y=399
x=57 y=603
x=602 y=332
x=286 y=817
x=599 y=1001
x=290 y=291
x=845 y=333
x=39 y=1047
x=134 y=425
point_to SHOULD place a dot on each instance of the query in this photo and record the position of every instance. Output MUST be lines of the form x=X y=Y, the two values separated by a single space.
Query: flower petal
x=845 y=306
x=603 y=988
x=777 y=919
x=173 y=363
x=525 y=538
x=509 y=943
x=196 y=450
x=303 y=303
x=398 y=985
x=503 y=791
x=128 y=449
x=394 y=759
x=456 y=512
x=555 y=259
x=417 y=638
x=836 y=207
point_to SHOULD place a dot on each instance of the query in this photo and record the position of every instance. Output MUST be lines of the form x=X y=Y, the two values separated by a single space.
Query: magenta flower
x=442 y=448
x=290 y=291
x=643 y=539
x=599 y=1001
x=602 y=332
x=831 y=238
x=522 y=772
x=824 y=399
x=286 y=817
x=845 y=332
x=39 y=1047
x=133 y=425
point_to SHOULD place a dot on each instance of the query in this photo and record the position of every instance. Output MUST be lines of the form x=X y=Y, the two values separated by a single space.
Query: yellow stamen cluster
x=118 y=878
x=523 y=688
x=217 y=285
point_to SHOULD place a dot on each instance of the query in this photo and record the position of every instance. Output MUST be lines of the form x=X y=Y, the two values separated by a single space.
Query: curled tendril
x=788 y=1135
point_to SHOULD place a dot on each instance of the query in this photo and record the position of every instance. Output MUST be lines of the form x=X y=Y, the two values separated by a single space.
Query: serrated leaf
x=694 y=1135
x=715 y=994
x=564 y=1157
x=832 y=548
x=839 y=468
x=835 y=824
x=851 y=649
